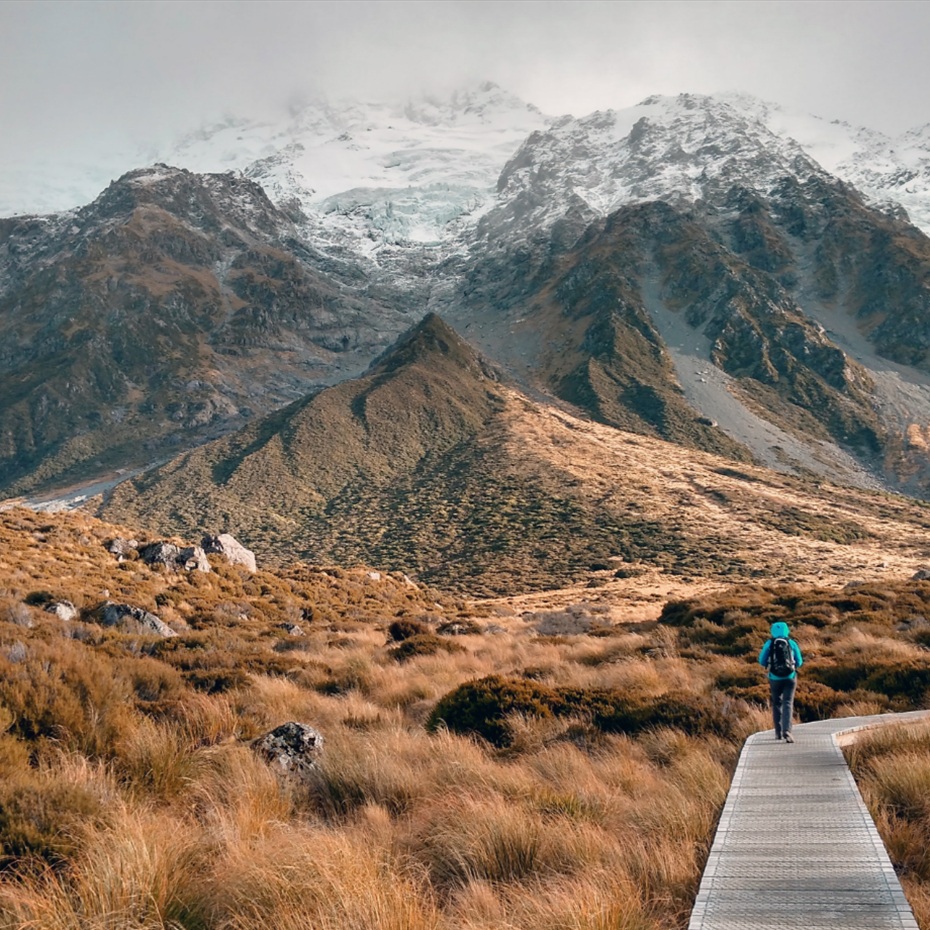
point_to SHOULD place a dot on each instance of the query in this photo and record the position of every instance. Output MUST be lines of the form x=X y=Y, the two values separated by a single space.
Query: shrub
x=426 y=644
x=481 y=707
x=693 y=714
x=406 y=628
x=907 y=681
x=66 y=692
x=216 y=680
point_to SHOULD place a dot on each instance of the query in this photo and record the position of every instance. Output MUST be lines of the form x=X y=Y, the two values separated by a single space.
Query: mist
x=82 y=77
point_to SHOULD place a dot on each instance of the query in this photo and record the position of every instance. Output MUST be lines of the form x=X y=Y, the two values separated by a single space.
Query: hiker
x=781 y=655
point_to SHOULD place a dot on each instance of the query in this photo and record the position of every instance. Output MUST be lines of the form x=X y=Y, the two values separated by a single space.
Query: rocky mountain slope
x=172 y=307
x=430 y=463
x=684 y=269
x=727 y=258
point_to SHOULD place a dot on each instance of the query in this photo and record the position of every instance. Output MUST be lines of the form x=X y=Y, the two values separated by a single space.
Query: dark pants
x=782 y=703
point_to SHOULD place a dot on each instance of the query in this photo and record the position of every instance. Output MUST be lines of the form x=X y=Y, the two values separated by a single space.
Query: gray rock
x=122 y=547
x=135 y=620
x=64 y=610
x=161 y=553
x=922 y=574
x=193 y=558
x=292 y=629
x=291 y=749
x=231 y=549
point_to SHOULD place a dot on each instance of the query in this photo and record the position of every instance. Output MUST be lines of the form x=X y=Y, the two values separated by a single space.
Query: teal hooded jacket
x=780 y=629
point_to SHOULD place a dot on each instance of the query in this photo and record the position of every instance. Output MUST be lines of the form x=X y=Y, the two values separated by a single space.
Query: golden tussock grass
x=130 y=797
x=892 y=769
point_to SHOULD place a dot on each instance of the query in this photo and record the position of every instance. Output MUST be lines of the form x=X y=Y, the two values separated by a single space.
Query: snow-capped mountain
x=362 y=174
x=373 y=172
x=367 y=175
x=677 y=149
x=885 y=169
x=696 y=268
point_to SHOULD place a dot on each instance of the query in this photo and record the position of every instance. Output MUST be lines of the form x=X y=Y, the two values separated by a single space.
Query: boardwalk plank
x=796 y=846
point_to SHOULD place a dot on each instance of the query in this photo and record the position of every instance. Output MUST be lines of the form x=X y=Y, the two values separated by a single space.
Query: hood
x=779 y=629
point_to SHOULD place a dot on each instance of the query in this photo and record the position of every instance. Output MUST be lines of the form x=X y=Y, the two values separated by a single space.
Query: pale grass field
x=130 y=797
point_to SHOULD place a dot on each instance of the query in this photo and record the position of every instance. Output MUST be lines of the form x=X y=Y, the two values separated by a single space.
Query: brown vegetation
x=892 y=768
x=503 y=778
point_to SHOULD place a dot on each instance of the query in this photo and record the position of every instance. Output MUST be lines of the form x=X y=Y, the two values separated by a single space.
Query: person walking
x=781 y=655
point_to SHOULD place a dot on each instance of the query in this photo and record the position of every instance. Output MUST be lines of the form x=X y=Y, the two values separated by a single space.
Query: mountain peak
x=432 y=341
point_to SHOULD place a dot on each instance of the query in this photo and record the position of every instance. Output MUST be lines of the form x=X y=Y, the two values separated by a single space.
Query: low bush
x=906 y=681
x=39 y=817
x=406 y=628
x=424 y=644
x=483 y=707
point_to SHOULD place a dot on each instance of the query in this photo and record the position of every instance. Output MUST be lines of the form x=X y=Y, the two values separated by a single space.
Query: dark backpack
x=781 y=662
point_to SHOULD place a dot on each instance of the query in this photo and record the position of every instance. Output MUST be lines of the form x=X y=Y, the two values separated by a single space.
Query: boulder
x=135 y=620
x=64 y=610
x=922 y=574
x=231 y=549
x=161 y=553
x=291 y=749
x=191 y=558
x=292 y=629
x=122 y=547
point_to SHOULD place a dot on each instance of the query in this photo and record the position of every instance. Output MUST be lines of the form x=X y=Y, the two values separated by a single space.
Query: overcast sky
x=78 y=74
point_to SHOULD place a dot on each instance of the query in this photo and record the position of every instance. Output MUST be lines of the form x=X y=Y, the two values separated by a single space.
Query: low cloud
x=86 y=75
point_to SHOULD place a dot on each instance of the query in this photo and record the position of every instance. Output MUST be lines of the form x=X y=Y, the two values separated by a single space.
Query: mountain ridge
x=788 y=321
x=427 y=465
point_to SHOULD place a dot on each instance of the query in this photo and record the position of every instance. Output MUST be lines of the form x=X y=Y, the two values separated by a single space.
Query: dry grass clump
x=892 y=769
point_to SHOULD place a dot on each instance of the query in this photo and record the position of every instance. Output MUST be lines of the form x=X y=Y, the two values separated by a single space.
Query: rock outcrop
x=64 y=610
x=175 y=558
x=122 y=548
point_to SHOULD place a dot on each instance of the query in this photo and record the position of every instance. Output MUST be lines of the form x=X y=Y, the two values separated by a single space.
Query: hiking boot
x=778 y=736
x=789 y=738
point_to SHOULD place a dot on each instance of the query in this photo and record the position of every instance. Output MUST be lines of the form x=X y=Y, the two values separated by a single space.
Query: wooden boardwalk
x=796 y=846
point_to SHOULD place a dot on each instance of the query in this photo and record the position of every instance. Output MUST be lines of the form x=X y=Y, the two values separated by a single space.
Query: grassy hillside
x=432 y=466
